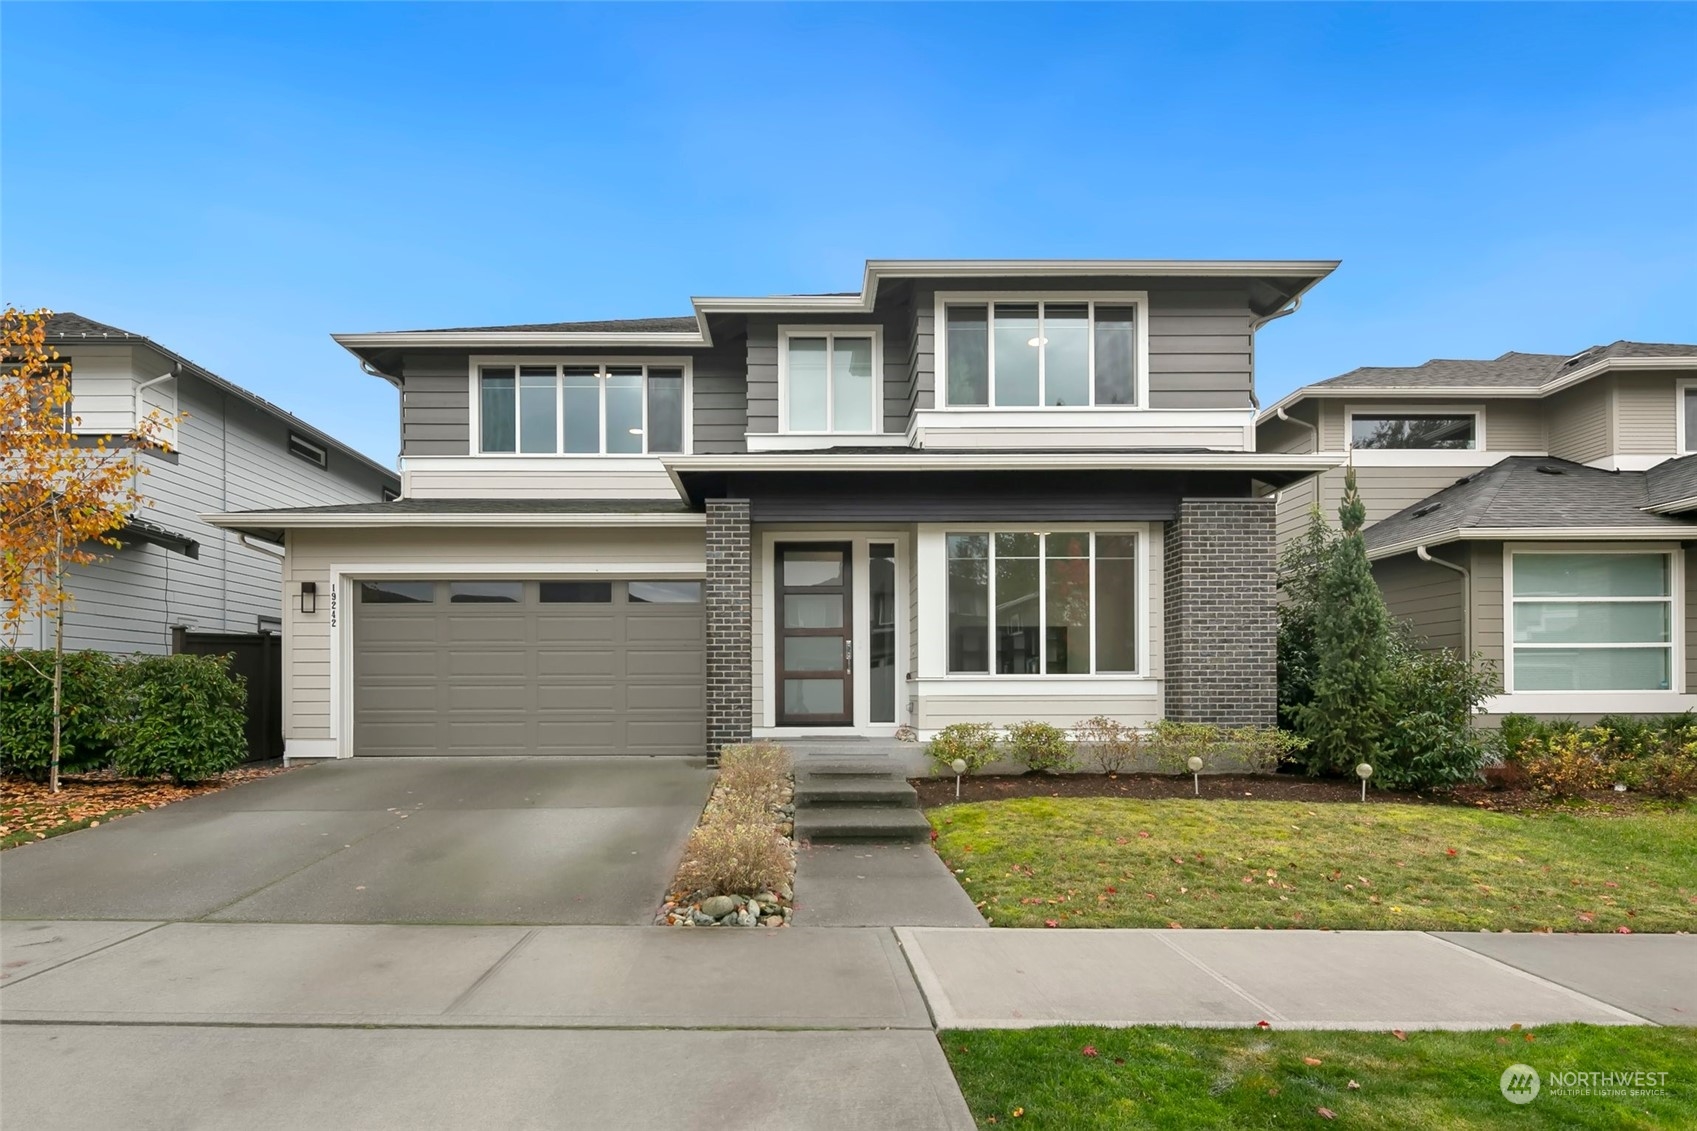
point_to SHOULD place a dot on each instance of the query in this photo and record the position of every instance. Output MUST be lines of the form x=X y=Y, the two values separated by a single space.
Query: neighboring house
x=231 y=450
x=969 y=491
x=1533 y=509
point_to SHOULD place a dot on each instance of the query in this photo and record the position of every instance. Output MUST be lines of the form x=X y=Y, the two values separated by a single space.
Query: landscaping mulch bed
x=29 y=811
x=1256 y=787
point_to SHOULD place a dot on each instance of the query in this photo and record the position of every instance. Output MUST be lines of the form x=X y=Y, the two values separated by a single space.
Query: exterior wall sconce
x=309 y=596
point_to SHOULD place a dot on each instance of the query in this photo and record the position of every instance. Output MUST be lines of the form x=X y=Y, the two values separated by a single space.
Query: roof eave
x=1528 y=534
x=248 y=521
x=910 y=460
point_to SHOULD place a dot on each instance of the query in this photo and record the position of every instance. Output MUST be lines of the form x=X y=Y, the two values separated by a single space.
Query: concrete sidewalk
x=1014 y=979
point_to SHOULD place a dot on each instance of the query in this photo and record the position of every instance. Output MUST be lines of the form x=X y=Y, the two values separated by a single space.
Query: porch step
x=887 y=824
x=847 y=790
x=826 y=766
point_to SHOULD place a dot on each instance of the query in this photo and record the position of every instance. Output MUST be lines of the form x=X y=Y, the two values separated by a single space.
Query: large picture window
x=1055 y=603
x=1592 y=622
x=581 y=409
x=830 y=379
x=1049 y=353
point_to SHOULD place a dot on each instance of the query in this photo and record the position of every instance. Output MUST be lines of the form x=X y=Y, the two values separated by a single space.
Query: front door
x=815 y=654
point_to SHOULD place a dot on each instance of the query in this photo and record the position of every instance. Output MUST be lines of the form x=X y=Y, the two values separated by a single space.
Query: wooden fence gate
x=258 y=658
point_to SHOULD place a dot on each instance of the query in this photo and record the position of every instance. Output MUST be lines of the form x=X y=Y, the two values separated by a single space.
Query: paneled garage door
x=529 y=667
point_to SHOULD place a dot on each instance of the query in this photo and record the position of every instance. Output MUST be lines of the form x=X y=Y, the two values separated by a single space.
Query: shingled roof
x=1527 y=493
x=681 y=325
x=1510 y=371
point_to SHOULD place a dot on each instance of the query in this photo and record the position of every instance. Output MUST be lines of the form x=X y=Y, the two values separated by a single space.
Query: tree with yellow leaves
x=62 y=496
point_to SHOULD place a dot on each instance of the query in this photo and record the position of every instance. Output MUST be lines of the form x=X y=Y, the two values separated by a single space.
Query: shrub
x=1431 y=741
x=754 y=769
x=1260 y=750
x=1671 y=774
x=1113 y=746
x=1300 y=567
x=1512 y=732
x=1571 y=763
x=1174 y=743
x=724 y=857
x=972 y=743
x=1040 y=746
x=88 y=692
x=189 y=718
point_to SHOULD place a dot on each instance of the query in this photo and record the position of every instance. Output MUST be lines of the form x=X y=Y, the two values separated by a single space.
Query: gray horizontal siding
x=1428 y=598
x=720 y=399
x=435 y=404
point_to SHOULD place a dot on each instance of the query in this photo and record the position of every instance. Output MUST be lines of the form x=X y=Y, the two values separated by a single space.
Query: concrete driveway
x=425 y=840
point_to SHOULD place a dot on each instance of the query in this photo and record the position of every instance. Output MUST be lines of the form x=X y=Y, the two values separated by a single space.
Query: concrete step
x=854 y=791
x=887 y=824
x=874 y=767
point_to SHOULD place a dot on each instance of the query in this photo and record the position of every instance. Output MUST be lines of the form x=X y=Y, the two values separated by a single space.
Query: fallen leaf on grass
x=1399 y=1034
x=1089 y=1050
x=1353 y=1086
x=1050 y=923
x=1263 y=1024
x=1312 y=1061
x=1325 y=1113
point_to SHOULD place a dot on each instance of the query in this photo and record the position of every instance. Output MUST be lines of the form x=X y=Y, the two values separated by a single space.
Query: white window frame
x=475 y=416
x=307 y=450
x=1405 y=456
x=940 y=335
x=1682 y=442
x=1140 y=602
x=1564 y=700
x=830 y=333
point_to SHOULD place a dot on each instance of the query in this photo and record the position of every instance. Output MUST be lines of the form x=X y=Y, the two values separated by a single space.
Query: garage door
x=529 y=667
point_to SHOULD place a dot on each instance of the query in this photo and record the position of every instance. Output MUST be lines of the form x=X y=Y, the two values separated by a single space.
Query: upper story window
x=1687 y=417
x=1414 y=431
x=1056 y=351
x=302 y=448
x=828 y=378
x=581 y=408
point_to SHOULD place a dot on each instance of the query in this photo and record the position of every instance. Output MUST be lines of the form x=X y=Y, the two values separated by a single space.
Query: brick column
x=1222 y=622
x=730 y=631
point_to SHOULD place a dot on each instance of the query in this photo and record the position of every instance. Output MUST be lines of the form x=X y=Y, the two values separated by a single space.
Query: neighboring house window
x=302 y=448
x=1446 y=431
x=1023 y=354
x=581 y=409
x=1592 y=622
x=1042 y=604
x=1687 y=417
x=829 y=378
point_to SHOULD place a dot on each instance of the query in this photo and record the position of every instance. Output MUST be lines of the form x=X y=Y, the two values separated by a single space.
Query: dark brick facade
x=730 y=626
x=1222 y=624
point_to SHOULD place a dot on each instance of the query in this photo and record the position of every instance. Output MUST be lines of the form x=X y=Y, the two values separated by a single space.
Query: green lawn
x=1189 y=1078
x=1109 y=862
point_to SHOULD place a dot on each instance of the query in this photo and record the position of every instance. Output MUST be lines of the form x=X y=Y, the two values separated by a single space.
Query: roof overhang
x=139 y=530
x=1460 y=392
x=1303 y=272
x=1532 y=534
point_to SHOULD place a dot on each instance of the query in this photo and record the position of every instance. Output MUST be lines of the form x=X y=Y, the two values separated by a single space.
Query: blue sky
x=239 y=181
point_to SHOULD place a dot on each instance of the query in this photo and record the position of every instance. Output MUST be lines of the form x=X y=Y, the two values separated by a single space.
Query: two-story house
x=232 y=450
x=968 y=491
x=1534 y=509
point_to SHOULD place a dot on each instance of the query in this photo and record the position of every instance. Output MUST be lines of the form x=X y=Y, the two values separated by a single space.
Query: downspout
x=1313 y=429
x=1466 y=598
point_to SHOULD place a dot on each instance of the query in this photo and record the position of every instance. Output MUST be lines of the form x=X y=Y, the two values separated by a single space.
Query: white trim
x=343 y=577
x=295 y=748
x=287 y=520
x=1674 y=600
x=474 y=440
x=1129 y=424
x=860 y=605
x=1524 y=534
x=943 y=299
x=1430 y=457
x=1010 y=461
x=1565 y=703
x=830 y=334
x=793 y=442
x=933 y=594
x=1436 y=408
x=1128 y=685
x=1681 y=440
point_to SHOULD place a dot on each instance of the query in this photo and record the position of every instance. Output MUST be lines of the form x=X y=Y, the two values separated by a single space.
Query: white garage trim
x=341 y=596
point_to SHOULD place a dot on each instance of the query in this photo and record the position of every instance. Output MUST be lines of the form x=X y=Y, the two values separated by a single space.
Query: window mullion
x=643 y=393
x=990 y=354
x=559 y=410
x=601 y=408
x=1090 y=365
x=1042 y=366
x=1090 y=608
x=1042 y=555
x=992 y=645
x=830 y=382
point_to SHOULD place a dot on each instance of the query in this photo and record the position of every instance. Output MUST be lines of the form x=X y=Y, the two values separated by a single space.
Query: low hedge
x=182 y=717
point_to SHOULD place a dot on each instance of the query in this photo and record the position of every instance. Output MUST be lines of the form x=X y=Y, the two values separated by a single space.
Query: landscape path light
x=959 y=767
x=1364 y=771
x=1195 y=765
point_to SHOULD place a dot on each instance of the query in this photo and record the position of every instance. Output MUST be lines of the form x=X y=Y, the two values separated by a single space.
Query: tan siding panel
x=1644 y=414
x=1426 y=597
x=1579 y=422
